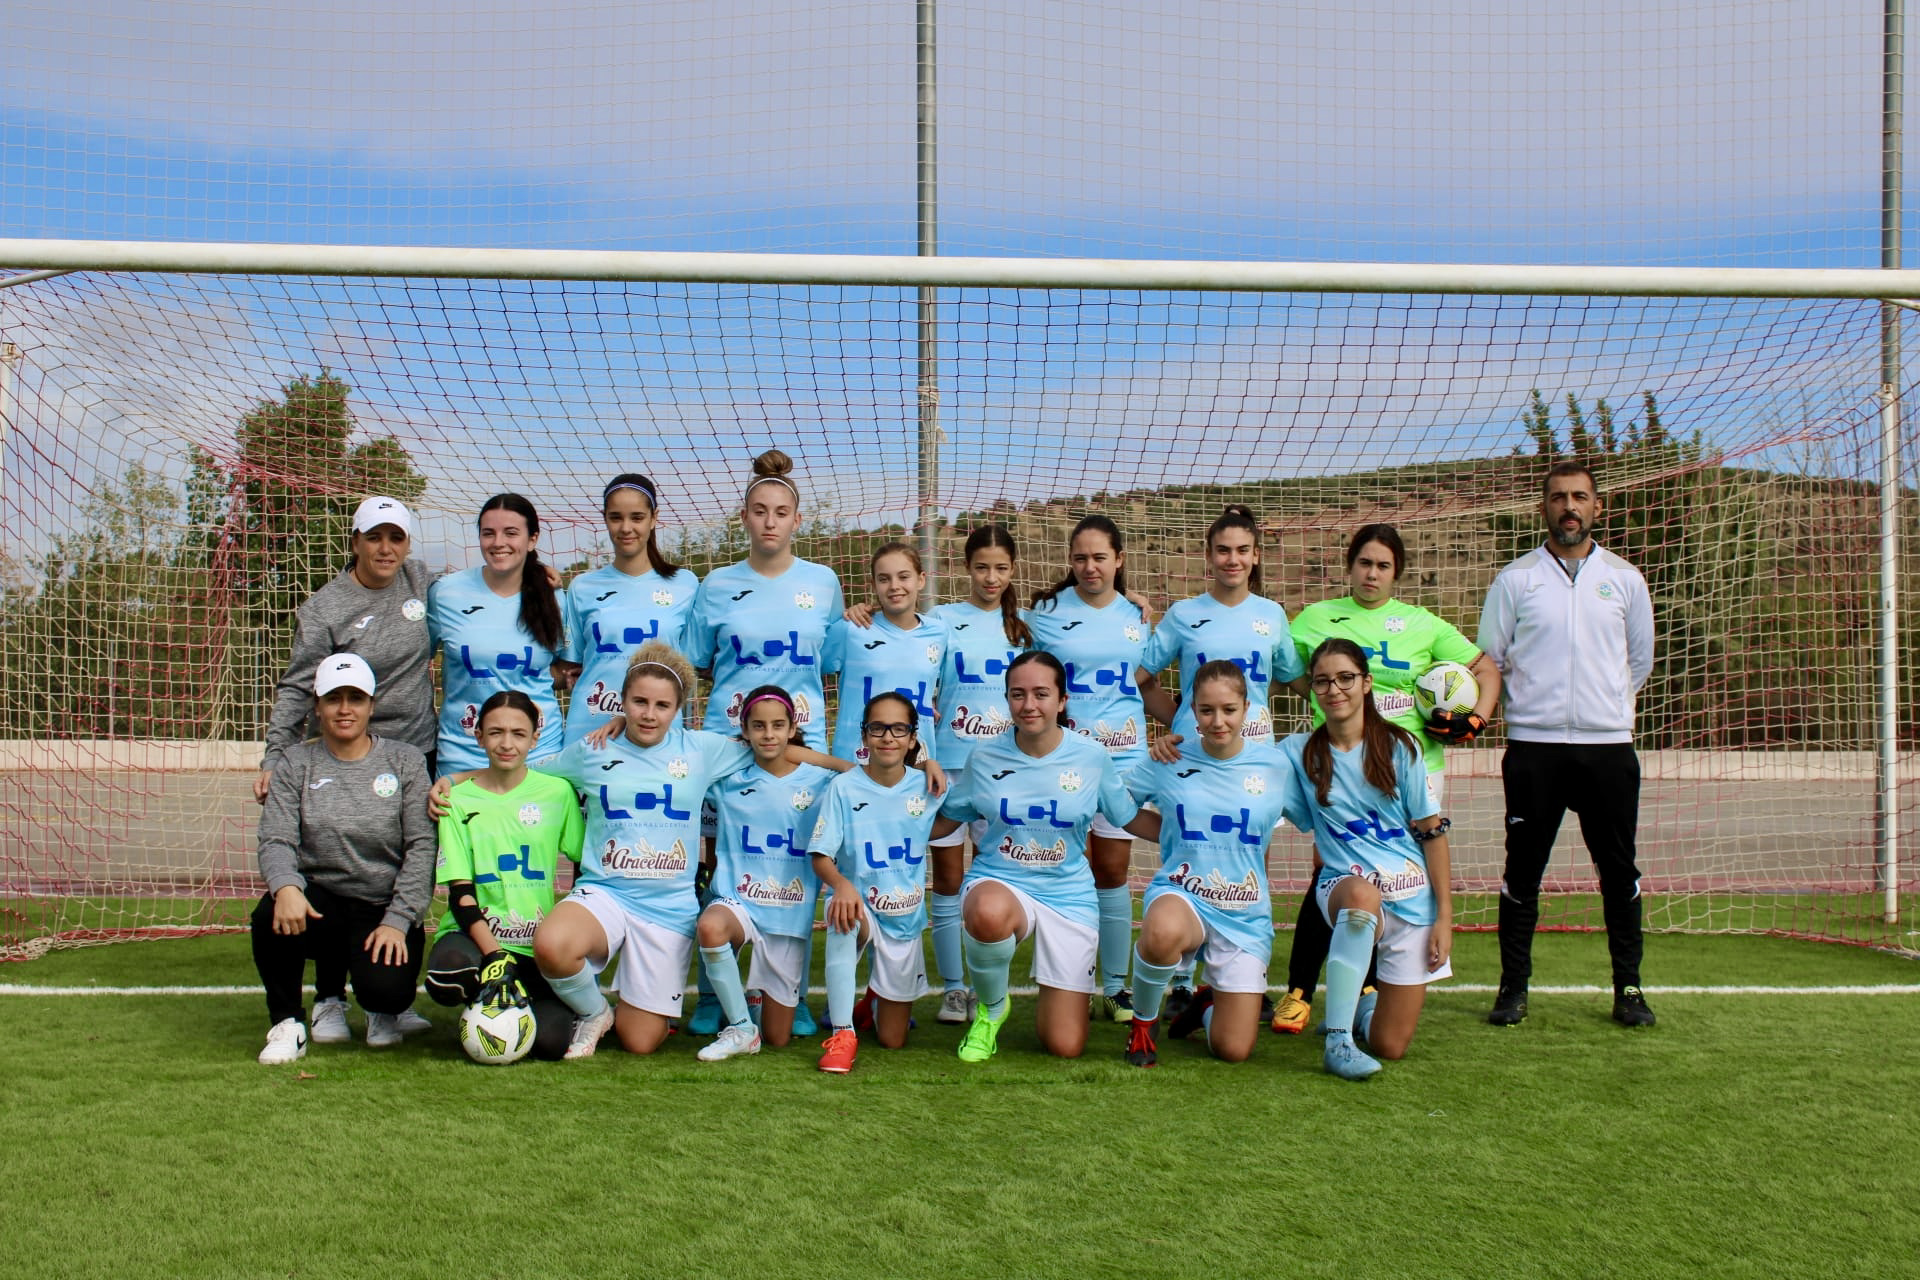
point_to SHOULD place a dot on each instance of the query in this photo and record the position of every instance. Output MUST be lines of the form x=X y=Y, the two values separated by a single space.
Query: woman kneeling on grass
x=347 y=851
x=500 y=849
x=1219 y=802
x=1359 y=784
x=870 y=849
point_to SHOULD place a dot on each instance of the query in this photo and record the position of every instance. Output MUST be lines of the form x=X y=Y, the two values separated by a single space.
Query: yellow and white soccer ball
x=497 y=1034
x=1445 y=686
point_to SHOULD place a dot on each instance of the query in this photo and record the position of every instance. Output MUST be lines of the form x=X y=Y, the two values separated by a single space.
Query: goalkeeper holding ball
x=500 y=845
x=1571 y=626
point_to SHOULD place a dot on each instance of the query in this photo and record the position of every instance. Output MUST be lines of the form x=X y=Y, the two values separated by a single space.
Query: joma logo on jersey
x=644 y=801
x=879 y=859
x=1099 y=678
x=508 y=662
x=629 y=637
x=1219 y=824
x=1036 y=814
x=990 y=669
x=771 y=651
x=771 y=842
x=1367 y=826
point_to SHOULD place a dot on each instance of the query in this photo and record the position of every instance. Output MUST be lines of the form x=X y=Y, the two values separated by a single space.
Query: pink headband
x=780 y=698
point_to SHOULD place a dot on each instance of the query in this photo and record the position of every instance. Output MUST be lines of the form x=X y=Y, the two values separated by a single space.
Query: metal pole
x=927 y=216
x=1887 y=780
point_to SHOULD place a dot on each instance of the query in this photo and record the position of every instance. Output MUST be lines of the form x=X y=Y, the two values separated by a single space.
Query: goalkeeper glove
x=1456 y=728
x=703 y=880
x=500 y=985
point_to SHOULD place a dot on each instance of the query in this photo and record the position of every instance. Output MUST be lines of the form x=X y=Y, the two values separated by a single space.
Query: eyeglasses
x=1344 y=680
x=875 y=729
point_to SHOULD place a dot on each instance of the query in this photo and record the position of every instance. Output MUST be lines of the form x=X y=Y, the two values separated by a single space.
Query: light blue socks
x=1149 y=986
x=719 y=966
x=1116 y=938
x=580 y=991
x=1347 y=957
x=987 y=966
x=843 y=957
x=943 y=910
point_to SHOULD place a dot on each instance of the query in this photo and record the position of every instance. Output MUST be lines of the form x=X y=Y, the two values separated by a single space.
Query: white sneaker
x=587 y=1033
x=956 y=1006
x=411 y=1023
x=287 y=1042
x=383 y=1030
x=330 y=1022
x=732 y=1041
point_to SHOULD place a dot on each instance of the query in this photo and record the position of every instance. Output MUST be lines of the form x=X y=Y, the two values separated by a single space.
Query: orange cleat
x=842 y=1047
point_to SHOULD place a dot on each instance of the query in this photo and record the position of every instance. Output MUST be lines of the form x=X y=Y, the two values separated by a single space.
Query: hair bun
x=772 y=465
x=1240 y=509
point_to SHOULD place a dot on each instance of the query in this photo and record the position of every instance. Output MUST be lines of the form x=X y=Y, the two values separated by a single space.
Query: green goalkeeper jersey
x=1401 y=641
x=510 y=847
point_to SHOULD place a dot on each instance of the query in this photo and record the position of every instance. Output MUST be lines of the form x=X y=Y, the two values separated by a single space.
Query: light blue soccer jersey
x=643 y=816
x=761 y=825
x=609 y=614
x=882 y=658
x=1252 y=635
x=751 y=631
x=877 y=836
x=973 y=682
x=1101 y=650
x=484 y=649
x=1216 y=819
x=1038 y=812
x=1363 y=831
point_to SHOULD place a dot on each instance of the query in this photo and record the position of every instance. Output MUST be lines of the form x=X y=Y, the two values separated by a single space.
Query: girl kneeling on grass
x=500 y=849
x=1359 y=784
x=764 y=886
x=870 y=848
x=346 y=849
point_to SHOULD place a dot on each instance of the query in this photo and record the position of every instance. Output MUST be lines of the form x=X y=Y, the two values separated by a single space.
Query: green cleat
x=983 y=1035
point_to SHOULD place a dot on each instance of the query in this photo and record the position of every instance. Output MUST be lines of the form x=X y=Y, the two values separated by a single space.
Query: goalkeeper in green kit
x=501 y=841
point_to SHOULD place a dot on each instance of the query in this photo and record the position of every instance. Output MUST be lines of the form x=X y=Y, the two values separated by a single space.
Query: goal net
x=182 y=453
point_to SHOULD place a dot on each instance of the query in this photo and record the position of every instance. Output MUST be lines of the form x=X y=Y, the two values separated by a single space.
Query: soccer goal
x=187 y=427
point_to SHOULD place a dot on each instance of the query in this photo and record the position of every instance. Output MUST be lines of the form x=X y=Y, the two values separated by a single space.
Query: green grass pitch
x=1746 y=1135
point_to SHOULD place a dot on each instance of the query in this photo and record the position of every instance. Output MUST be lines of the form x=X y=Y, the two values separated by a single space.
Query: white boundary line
x=1470 y=988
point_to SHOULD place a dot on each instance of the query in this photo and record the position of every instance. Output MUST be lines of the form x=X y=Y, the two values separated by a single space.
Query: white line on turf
x=1471 y=988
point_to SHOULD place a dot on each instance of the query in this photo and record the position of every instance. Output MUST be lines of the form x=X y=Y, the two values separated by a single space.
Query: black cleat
x=1630 y=1008
x=1266 y=1006
x=1510 y=1007
x=1176 y=1003
x=1141 y=1051
x=1191 y=1017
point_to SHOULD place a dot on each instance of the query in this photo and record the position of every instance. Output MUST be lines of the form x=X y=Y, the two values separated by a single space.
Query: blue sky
x=1605 y=132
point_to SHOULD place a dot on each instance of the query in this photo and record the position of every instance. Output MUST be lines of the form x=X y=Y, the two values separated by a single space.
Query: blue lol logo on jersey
x=1362 y=828
x=1220 y=824
x=772 y=844
x=507 y=662
x=892 y=853
x=643 y=802
x=630 y=638
x=772 y=651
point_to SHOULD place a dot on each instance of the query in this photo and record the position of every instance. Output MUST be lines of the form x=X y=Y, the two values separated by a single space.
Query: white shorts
x=778 y=966
x=1400 y=952
x=898 y=970
x=1229 y=968
x=1065 y=952
x=653 y=959
x=976 y=831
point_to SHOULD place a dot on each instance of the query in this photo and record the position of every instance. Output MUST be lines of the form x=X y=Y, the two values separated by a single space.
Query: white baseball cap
x=343 y=671
x=376 y=511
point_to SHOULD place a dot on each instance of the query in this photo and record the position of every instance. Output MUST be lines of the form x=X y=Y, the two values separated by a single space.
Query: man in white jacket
x=1571 y=627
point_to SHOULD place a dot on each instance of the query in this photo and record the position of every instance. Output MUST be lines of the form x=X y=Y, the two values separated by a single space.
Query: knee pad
x=452 y=986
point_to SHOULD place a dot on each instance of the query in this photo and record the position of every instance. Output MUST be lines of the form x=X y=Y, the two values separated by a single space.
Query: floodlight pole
x=927 y=218
x=1886 y=809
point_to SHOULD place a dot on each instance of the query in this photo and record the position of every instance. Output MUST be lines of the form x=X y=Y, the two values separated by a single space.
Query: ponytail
x=1089 y=524
x=1239 y=516
x=1380 y=738
x=993 y=535
x=539 y=605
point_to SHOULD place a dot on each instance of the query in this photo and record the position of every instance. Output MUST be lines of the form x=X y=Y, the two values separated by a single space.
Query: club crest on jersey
x=663 y=598
x=529 y=815
x=803 y=799
x=916 y=805
x=414 y=610
x=1261 y=627
x=385 y=785
x=1132 y=634
x=772 y=893
x=644 y=862
x=933 y=652
x=1031 y=853
x=677 y=768
x=1394 y=626
x=1216 y=888
x=803 y=600
x=1070 y=781
x=1255 y=784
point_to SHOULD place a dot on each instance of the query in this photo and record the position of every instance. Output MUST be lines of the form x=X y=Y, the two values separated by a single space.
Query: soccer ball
x=1445 y=686
x=496 y=1034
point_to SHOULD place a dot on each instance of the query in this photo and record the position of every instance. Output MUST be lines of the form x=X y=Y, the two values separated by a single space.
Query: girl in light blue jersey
x=615 y=609
x=1039 y=789
x=1229 y=620
x=496 y=627
x=869 y=848
x=1100 y=636
x=764 y=886
x=899 y=650
x=1359 y=784
x=765 y=619
x=1218 y=806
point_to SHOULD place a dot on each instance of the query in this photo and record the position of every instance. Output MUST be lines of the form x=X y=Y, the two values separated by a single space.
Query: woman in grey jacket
x=347 y=851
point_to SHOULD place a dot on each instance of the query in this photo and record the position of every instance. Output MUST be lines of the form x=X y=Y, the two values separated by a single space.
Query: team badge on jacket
x=385 y=785
x=414 y=610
